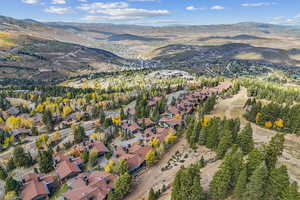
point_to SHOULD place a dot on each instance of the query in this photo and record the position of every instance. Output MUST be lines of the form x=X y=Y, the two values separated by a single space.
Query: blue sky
x=155 y=12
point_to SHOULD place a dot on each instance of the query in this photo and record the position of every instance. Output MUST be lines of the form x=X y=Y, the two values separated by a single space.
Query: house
x=95 y=185
x=133 y=155
x=154 y=100
x=159 y=133
x=146 y=122
x=67 y=167
x=130 y=127
x=13 y=111
x=37 y=186
x=171 y=122
x=91 y=145
x=20 y=133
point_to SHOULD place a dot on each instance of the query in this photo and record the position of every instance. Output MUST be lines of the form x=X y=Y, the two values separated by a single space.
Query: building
x=170 y=122
x=67 y=167
x=133 y=155
x=92 y=146
x=95 y=185
x=130 y=127
x=37 y=186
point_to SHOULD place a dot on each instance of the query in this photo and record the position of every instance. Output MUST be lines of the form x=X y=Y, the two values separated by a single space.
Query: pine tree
x=224 y=144
x=291 y=193
x=241 y=184
x=3 y=173
x=254 y=159
x=45 y=161
x=256 y=188
x=245 y=139
x=274 y=150
x=11 y=185
x=279 y=183
x=79 y=134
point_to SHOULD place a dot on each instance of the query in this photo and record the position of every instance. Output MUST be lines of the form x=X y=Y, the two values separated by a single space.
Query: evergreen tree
x=224 y=144
x=12 y=185
x=278 y=183
x=245 y=139
x=79 y=134
x=45 y=161
x=254 y=159
x=3 y=173
x=21 y=158
x=121 y=187
x=48 y=120
x=274 y=150
x=241 y=184
x=256 y=188
x=291 y=193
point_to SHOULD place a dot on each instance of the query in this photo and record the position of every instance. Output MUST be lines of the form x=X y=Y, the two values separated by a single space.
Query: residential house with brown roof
x=170 y=122
x=159 y=133
x=95 y=185
x=146 y=122
x=37 y=186
x=154 y=100
x=67 y=167
x=91 y=145
x=133 y=155
x=130 y=127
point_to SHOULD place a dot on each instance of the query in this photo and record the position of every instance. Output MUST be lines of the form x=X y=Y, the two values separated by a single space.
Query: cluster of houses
x=97 y=184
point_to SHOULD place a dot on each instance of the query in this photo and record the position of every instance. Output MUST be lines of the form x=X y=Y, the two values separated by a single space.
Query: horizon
x=155 y=12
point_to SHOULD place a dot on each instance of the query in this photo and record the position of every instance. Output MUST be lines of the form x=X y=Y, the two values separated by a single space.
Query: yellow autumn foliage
x=171 y=137
x=268 y=124
x=17 y=122
x=154 y=142
x=258 y=117
x=279 y=123
x=205 y=120
x=109 y=166
x=66 y=111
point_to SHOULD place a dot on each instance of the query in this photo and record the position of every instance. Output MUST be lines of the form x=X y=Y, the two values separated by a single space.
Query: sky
x=155 y=12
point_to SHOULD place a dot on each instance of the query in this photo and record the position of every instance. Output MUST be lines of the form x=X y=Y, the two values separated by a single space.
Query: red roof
x=94 y=185
x=35 y=185
x=135 y=155
x=171 y=121
x=96 y=146
x=66 y=168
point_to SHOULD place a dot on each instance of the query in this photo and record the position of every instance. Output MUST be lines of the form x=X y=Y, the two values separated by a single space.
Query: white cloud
x=192 y=8
x=217 y=7
x=118 y=11
x=297 y=16
x=58 y=2
x=258 y=4
x=30 y=1
x=58 y=10
x=82 y=0
x=98 y=7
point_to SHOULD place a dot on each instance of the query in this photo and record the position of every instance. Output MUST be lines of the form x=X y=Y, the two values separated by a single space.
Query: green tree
x=224 y=144
x=121 y=187
x=79 y=134
x=120 y=167
x=256 y=188
x=245 y=139
x=45 y=161
x=93 y=158
x=254 y=159
x=3 y=173
x=274 y=150
x=85 y=156
x=21 y=158
x=186 y=185
x=278 y=183
x=12 y=185
x=292 y=192
x=47 y=119
x=241 y=184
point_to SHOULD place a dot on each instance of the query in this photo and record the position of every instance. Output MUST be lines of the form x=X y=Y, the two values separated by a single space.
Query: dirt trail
x=233 y=107
x=155 y=178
